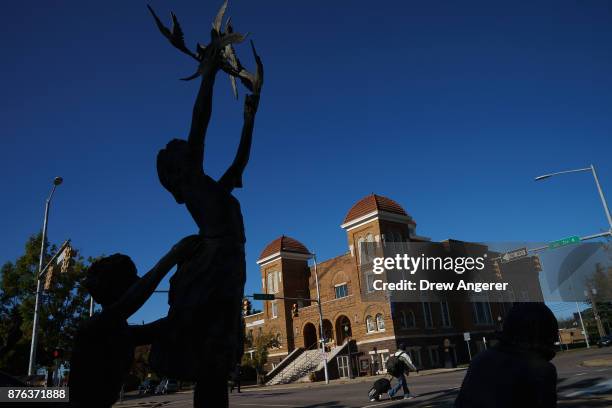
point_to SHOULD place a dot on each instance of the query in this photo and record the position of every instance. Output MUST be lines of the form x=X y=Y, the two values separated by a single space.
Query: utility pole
x=590 y=292
x=586 y=335
x=314 y=257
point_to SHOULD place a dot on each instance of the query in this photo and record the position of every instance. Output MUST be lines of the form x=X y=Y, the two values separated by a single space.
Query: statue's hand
x=185 y=248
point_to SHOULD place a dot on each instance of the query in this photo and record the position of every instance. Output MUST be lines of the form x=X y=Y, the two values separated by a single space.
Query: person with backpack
x=397 y=365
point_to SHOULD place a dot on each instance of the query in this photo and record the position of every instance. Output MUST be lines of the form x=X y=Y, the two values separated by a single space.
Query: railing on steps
x=306 y=362
x=295 y=354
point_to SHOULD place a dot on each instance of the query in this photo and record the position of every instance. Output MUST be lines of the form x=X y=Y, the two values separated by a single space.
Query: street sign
x=563 y=242
x=263 y=296
x=466 y=336
x=514 y=255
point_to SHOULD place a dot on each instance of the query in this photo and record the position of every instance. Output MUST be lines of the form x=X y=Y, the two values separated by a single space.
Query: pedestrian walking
x=398 y=366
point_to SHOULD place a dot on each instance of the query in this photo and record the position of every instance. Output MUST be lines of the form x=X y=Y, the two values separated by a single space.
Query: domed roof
x=284 y=244
x=372 y=203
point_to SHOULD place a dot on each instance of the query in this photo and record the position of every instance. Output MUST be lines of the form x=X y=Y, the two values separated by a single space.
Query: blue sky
x=450 y=108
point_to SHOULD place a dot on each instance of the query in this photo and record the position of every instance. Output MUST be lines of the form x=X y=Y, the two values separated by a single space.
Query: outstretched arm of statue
x=143 y=288
x=202 y=110
x=147 y=333
x=232 y=178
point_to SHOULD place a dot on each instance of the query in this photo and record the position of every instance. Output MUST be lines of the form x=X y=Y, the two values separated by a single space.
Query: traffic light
x=246 y=307
x=294 y=310
x=58 y=353
x=537 y=264
x=49 y=277
x=66 y=259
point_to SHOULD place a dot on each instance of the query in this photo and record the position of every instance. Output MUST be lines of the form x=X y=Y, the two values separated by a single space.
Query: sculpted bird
x=221 y=45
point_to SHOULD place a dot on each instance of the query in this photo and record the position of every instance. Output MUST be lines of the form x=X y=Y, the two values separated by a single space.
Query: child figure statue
x=205 y=338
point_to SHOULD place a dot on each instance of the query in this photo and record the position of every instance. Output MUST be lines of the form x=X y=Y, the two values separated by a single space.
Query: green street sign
x=563 y=242
x=263 y=296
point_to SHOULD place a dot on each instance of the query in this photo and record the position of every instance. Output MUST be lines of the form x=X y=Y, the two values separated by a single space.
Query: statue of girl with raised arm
x=203 y=339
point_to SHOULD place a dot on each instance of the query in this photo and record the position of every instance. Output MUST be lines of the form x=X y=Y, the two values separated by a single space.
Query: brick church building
x=362 y=327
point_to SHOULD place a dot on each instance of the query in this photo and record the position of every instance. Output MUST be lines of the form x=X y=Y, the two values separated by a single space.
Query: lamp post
x=591 y=168
x=314 y=257
x=56 y=182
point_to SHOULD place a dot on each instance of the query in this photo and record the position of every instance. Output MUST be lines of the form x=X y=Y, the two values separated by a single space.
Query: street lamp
x=56 y=182
x=314 y=257
x=591 y=168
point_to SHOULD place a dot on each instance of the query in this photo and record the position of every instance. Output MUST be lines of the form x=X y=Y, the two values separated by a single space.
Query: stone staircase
x=309 y=361
x=299 y=368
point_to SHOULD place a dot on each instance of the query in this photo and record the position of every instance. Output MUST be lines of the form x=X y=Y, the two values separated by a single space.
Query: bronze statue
x=195 y=347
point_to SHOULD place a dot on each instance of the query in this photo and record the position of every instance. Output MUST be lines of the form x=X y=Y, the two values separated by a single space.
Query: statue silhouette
x=198 y=348
x=103 y=349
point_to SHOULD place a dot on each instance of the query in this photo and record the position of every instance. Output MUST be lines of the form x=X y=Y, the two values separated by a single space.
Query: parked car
x=147 y=387
x=166 y=386
x=605 y=341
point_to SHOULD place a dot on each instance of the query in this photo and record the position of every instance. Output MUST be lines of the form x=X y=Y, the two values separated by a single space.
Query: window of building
x=274 y=308
x=273 y=281
x=370 y=278
x=361 y=250
x=407 y=319
x=370 y=326
x=410 y=319
x=370 y=253
x=341 y=290
x=482 y=313
x=445 y=314
x=427 y=314
x=380 y=322
x=403 y=321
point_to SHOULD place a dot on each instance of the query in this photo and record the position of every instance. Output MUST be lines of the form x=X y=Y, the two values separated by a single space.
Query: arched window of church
x=273 y=281
x=403 y=321
x=370 y=247
x=370 y=327
x=361 y=249
x=410 y=320
x=380 y=322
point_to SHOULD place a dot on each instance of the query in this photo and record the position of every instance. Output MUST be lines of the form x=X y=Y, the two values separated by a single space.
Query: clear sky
x=450 y=108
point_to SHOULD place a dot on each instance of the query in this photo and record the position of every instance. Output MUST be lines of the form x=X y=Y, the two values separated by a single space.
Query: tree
x=63 y=307
x=259 y=357
x=599 y=291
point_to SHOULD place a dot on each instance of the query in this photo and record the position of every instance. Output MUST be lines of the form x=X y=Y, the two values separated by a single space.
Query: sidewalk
x=356 y=380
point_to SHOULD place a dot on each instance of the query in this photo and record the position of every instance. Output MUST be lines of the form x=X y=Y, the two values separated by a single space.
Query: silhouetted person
x=103 y=349
x=516 y=372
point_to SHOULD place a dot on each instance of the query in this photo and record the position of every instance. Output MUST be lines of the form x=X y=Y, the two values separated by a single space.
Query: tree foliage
x=259 y=345
x=62 y=307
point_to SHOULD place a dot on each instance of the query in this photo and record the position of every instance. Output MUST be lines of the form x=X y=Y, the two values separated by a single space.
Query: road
x=579 y=386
